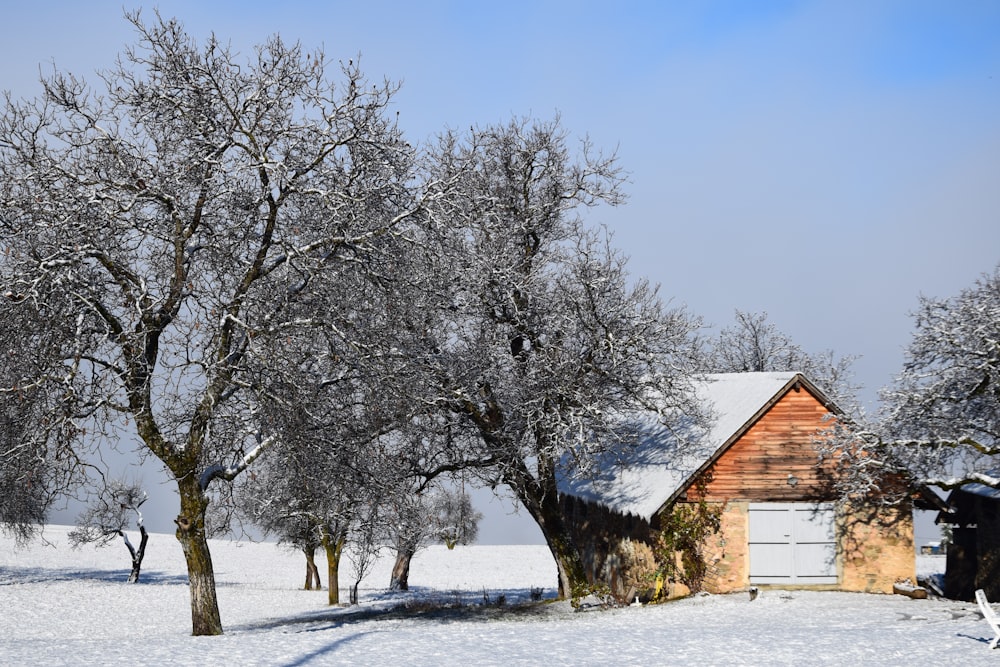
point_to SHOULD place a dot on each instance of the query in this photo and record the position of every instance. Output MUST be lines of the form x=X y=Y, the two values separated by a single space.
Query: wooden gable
x=774 y=457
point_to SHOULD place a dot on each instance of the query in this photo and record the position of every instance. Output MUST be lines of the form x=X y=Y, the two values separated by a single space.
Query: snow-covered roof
x=984 y=490
x=978 y=489
x=664 y=461
x=958 y=509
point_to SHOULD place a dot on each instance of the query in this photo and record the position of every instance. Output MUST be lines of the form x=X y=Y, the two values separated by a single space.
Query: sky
x=824 y=162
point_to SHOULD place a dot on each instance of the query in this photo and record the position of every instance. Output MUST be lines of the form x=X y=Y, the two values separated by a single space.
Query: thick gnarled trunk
x=400 y=579
x=205 y=618
x=541 y=498
x=572 y=574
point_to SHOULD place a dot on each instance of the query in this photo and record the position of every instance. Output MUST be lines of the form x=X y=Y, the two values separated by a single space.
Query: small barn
x=973 y=557
x=757 y=465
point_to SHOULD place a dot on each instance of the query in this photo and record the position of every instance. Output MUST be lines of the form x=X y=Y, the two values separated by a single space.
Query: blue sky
x=825 y=162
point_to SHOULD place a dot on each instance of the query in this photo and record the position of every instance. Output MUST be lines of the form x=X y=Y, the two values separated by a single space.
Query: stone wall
x=727 y=552
x=607 y=543
x=876 y=548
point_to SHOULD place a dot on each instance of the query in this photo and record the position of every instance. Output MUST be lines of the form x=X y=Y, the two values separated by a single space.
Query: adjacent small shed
x=758 y=465
x=973 y=557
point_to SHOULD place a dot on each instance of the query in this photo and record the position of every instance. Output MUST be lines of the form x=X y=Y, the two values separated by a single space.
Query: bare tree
x=25 y=468
x=940 y=423
x=408 y=525
x=35 y=470
x=455 y=521
x=337 y=422
x=303 y=499
x=333 y=476
x=109 y=516
x=178 y=218
x=414 y=517
x=362 y=443
x=364 y=546
x=307 y=492
x=754 y=344
x=542 y=339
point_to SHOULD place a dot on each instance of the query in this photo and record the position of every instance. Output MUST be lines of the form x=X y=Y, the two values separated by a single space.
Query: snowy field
x=62 y=606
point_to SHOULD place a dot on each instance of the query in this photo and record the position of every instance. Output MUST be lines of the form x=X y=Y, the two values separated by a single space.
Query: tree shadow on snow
x=36 y=575
x=418 y=605
x=324 y=650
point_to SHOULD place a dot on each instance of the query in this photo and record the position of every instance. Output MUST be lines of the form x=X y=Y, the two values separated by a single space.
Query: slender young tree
x=109 y=516
x=179 y=217
x=456 y=521
x=542 y=339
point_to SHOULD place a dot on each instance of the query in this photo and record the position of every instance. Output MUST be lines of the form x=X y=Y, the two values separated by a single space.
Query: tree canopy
x=542 y=340
x=193 y=210
x=940 y=422
x=752 y=344
x=215 y=258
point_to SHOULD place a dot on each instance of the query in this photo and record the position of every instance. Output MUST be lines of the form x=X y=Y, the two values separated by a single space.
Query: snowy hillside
x=60 y=606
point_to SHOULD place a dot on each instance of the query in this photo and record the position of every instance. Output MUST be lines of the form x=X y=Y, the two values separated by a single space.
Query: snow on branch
x=948 y=483
x=228 y=473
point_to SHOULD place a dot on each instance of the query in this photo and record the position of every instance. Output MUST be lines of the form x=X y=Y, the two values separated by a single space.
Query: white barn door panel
x=792 y=543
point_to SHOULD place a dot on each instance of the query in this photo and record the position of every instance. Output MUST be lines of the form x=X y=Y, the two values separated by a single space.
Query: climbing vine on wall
x=680 y=546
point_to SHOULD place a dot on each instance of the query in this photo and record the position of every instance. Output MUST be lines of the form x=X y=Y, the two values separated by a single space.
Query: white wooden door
x=792 y=543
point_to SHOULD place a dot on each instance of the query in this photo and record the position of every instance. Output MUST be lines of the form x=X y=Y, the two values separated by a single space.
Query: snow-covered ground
x=60 y=606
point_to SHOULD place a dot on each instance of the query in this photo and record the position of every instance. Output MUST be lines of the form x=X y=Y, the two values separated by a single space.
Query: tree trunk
x=312 y=572
x=541 y=498
x=205 y=618
x=572 y=574
x=137 y=554
x=354 y=592
x=334 y=547
x=400 y=580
